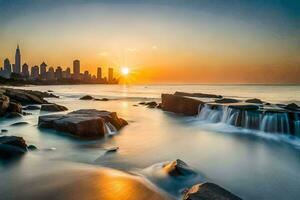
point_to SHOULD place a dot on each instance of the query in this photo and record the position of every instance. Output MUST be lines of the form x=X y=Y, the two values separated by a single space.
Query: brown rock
x=53 y=108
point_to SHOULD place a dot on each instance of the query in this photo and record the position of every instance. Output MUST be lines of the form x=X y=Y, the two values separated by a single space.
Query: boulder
x=32 y=147
x=292 y=106
x=3 y=130
x=103 y=99
x=180 y=104
x=4 y=103
x=151 y=104
x=19 y=123
x=53 y=108
x=209 y=191
x=226 y=100
x=85 y=123
x=199 y=95
x=178 y=168
x=255 y=100
x=31 y=107
x=25 y=97
x=12 y=146
x=87 y=97
x=14 y=107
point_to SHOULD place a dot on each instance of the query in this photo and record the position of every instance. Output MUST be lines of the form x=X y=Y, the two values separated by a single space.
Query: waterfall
x=275 y=123
x=111 y=130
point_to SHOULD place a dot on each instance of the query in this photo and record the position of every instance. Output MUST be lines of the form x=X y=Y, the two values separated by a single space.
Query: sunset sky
x=161 y=41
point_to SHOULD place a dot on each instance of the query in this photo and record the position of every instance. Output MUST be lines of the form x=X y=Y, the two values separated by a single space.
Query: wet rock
x=14 y=107
x=255 y=100
x=4 y=103
x=158 y=106
x=53 y=108
x=102 y=99
x=227 y=100
x=244 y=106
x=31 y=107
x=87 y=97
x=26 y=113
x=292 y=106
x=209 y=191
x=180 y=104
x=49 y=90
x=26 y=97
x=178 y=168
x=112 y=150
x=13 y=115
x=19 y=123
x=142 y=103
x=12 y=146
x=3 y=130
x=32 y=147
x=199 y=95
x=151 y=104
x=85 y=123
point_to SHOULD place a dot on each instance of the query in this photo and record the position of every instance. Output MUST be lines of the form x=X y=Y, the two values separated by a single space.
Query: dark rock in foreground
x=87 y=97
x=12 y=146
x=53 y=108
x=26 y=97
x=180 y=104
x=178 y=168
x=209 y=191
x=85 y=123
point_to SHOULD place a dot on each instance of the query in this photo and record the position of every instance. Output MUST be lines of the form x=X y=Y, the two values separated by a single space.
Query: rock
x=26 y=113
x=25 y=97
x=199 y=95
x=151 y=104
x=158 y=106
x=255 y=100
x=32 y=147
x=19 y=123
x=178 y=168
x=142 y=103
x=49 y=90
x=14 y=107
x=112 y=150
x=292 y=106
x=31 y=107
x=180 y=104
x=244 y=106
x=87 y=97
x=85 y=123
x=209 y=191
x=3 y=130
x=53 y=108
x=12 y=146
x=103 y=99
x=226 y=100
x=4 y=103
x=13 y=115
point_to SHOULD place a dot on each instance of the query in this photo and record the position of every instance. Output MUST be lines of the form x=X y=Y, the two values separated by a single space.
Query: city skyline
x=43 y=72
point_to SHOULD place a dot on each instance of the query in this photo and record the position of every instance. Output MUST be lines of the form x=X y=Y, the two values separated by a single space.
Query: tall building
x=68 y=73
x=110 y=74
x=7 y=68
x=25 y=71
x=34 y=72
x=50 y=74
x=58 y=73
x=17 y=68
x=76 y=69
x=43 y=70
x=99 y=73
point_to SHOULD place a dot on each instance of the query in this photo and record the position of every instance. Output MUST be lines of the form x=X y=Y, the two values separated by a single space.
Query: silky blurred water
x=250 y=164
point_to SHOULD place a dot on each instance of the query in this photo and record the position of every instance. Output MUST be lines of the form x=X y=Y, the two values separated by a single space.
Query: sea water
x=250 y=163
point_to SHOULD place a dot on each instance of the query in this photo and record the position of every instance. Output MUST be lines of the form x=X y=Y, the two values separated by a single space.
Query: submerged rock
x=180 y=104
x=53 y=108
x=31 y=107
x=12 y=146
x=209 y=191
x=19 y=123
x=178 y=168
x=3 y=130
x=255 y=100
x=151 y=104
x=227 y=100
x=85 y=123
x=32 y=147
x=87 y=97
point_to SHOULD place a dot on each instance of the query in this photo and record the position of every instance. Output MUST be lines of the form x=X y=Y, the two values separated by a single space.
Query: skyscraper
x=25 y=70
x=17 y=68
x=34 y=72
x=58 y=73
x=50 y=74
x=7 y=68
x=76 y=69
x=99 y=73
x=43 y=70
x=110 y=74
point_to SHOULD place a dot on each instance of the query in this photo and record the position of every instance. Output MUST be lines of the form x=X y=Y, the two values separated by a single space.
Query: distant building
x=110 y=75
x=43 y=70
x=17 y=68
x=25 y=71
x=50 y=74
x=7 y=68
x=86 y=75
x=35 y=72
x=58 y=73
x=68 y=73
x=13 y=66
x=99 y=73
x=76 y=69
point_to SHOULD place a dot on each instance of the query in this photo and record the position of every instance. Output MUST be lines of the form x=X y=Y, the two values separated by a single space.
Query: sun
x=124 y=71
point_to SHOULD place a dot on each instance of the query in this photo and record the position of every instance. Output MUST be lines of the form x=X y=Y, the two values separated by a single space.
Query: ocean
x=251 y=164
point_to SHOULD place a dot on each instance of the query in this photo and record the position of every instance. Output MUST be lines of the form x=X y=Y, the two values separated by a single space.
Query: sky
x=161 y=41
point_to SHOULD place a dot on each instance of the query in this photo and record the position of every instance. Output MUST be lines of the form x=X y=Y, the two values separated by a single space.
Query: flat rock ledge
x=84 y=123
x=209 y=191
x=53 y=108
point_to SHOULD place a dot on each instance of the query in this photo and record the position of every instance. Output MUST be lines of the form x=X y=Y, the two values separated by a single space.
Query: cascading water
x=111 y=130
x=275 y=123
